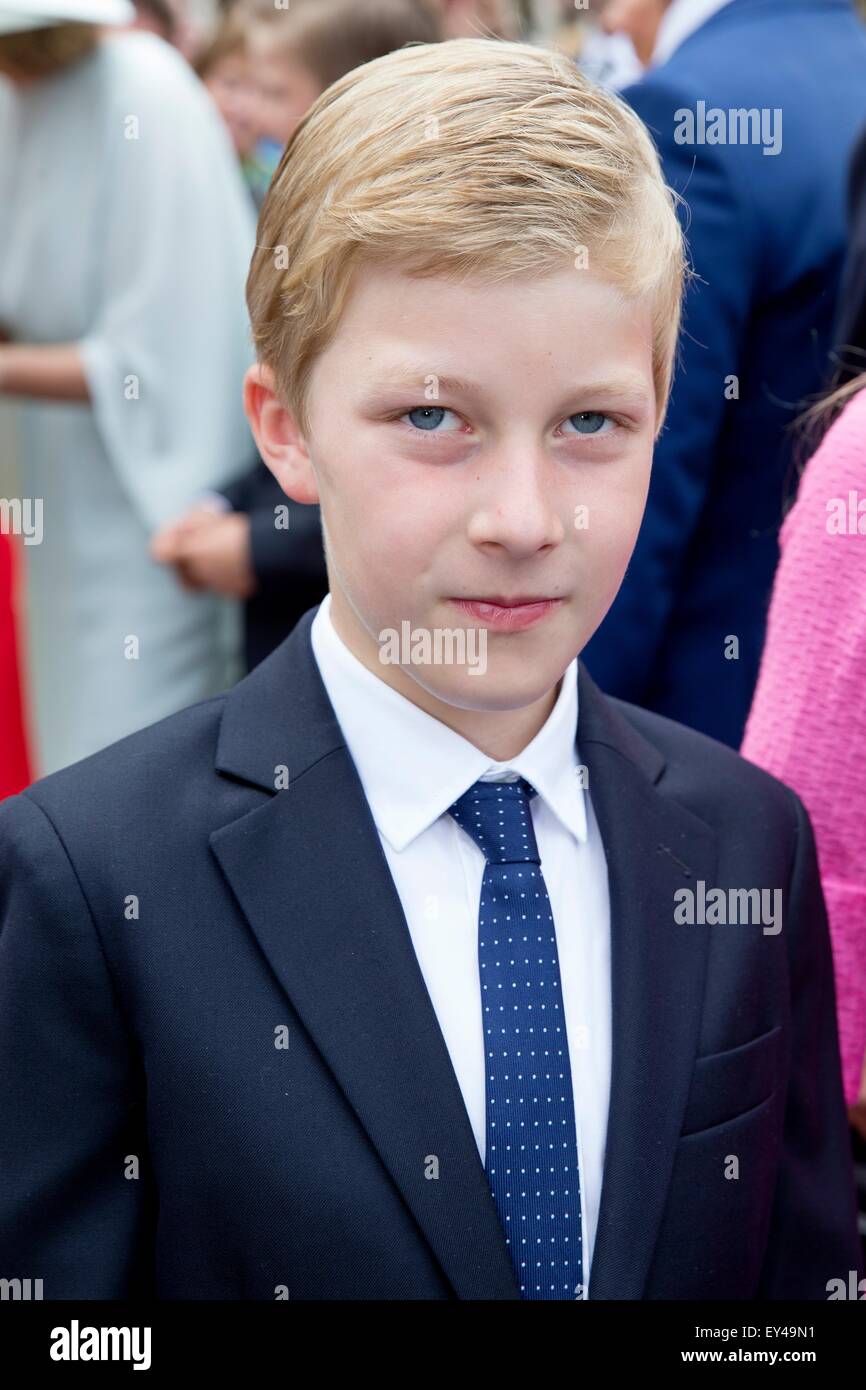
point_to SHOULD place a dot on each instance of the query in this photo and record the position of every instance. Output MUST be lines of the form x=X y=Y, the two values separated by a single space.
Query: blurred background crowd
x=147 y=556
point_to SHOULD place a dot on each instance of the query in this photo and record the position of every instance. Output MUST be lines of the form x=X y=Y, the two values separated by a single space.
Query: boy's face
x=525 y=478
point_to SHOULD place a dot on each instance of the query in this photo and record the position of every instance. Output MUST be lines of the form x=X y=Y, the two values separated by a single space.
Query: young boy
x=414 y=967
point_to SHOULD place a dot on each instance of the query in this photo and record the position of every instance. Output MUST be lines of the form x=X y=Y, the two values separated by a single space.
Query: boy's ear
x=277 y=435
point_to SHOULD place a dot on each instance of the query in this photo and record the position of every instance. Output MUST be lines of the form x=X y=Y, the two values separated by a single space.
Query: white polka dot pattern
x=531 y=1150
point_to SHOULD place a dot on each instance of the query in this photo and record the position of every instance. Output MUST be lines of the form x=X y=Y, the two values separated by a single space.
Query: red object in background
x=14 y=768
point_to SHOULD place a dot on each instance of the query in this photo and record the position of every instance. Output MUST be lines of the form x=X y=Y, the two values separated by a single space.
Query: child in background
x=297 y=53
x=225 y=68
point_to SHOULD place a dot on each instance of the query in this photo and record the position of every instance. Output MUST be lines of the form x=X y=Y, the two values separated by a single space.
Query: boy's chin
x=503 y=686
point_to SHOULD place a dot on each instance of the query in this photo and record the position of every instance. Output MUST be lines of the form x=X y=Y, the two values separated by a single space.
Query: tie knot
x=498 y=818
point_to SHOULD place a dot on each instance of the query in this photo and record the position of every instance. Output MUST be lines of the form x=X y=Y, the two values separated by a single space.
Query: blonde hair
x=472 y=157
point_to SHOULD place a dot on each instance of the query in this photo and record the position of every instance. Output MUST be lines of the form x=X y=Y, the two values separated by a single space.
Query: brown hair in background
x=810 y=427
x=42 y=52
x=229 y=37
x=331 y=37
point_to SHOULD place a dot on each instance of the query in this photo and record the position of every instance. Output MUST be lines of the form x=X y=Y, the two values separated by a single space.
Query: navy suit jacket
x=766 y=234
x=164 y=909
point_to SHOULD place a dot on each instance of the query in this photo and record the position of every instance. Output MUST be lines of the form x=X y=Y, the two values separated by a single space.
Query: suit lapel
x=308 y=870
x=310 y=875
x=653 y=847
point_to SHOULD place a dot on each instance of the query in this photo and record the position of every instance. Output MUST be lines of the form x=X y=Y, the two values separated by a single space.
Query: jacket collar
x=280 y=715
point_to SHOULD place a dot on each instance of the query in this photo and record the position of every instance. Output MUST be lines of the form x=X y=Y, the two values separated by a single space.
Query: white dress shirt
x=412 y=768
x=680 y=19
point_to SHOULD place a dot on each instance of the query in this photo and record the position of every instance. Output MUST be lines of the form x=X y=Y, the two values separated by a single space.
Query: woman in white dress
x=125 y=238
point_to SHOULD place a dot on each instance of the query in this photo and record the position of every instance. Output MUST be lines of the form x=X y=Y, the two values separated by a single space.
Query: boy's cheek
x=611 y=517
x=603 y=554
x=375 y=524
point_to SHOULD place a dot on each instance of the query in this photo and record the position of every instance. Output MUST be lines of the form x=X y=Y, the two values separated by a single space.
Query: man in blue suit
x=763 y=183
x=415 y=967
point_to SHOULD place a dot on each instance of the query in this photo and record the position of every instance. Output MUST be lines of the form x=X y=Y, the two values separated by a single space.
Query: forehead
x=467 y=327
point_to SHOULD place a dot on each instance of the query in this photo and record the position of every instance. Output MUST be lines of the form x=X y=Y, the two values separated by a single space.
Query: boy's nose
x=516 y=509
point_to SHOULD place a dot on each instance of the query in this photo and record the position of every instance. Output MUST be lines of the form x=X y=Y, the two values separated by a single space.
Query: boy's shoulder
x=159 y=774
x=197 y=769
x=712 y=779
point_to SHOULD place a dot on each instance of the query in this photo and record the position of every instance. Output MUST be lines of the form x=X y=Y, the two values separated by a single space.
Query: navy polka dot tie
x=531 y=1149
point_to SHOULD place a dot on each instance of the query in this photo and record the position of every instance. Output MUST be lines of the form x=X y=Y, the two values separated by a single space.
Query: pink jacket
x=807 y=725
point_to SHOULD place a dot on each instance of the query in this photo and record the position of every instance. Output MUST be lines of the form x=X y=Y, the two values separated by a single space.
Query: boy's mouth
x=507 y=614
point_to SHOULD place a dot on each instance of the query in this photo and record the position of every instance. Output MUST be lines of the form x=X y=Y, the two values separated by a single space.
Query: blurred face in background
x=231 y=84
x=475 y=19
x=285 y=88
x=639 y=20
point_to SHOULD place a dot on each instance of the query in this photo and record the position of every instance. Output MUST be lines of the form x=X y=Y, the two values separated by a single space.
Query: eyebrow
x=403 y=376
x=408 y=376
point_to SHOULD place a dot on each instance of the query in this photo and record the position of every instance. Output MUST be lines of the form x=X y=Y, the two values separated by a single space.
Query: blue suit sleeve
x=622 y=653
x=72 y=1212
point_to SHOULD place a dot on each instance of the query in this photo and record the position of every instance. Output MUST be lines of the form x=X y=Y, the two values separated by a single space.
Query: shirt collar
x=680 y=20
x=413 y=767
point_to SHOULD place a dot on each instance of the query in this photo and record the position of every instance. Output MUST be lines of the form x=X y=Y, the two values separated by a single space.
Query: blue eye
x=588 y=421
x=426 y=418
